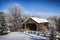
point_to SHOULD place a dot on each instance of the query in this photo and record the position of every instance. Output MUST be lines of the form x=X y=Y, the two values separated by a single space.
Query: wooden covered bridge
x=35 y=24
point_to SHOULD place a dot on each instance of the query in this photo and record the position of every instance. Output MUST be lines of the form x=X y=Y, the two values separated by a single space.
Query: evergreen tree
x=3 y=25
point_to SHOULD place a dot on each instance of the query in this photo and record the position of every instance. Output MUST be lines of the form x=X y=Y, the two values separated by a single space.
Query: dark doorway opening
x=32 y=26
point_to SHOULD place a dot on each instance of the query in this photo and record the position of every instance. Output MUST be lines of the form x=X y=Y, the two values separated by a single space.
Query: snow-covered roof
x=39 y=20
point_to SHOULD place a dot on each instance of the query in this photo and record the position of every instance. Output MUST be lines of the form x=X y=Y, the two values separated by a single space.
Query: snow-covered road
x=21 y=36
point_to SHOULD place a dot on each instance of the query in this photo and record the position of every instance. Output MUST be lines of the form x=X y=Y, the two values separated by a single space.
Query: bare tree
x=16 y=12
x=54 y=26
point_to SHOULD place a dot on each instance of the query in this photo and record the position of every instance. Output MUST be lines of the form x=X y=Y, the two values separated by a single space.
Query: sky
x=44 y=8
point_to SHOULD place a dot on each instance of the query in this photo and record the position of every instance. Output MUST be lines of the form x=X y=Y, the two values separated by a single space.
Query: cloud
x=44 y=14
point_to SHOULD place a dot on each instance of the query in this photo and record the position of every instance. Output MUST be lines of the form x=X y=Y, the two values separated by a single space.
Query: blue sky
x=35 y=7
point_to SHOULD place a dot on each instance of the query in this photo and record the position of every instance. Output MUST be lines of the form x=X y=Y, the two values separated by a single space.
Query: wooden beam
x=37 y=27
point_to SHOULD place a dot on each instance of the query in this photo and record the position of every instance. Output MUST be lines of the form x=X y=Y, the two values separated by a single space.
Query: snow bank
x=21 y=36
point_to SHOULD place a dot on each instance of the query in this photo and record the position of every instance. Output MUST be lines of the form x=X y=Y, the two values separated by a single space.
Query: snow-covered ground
x=21 y=36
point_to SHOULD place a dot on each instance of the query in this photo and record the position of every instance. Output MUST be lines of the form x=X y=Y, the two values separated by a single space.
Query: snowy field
x=21 y=36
